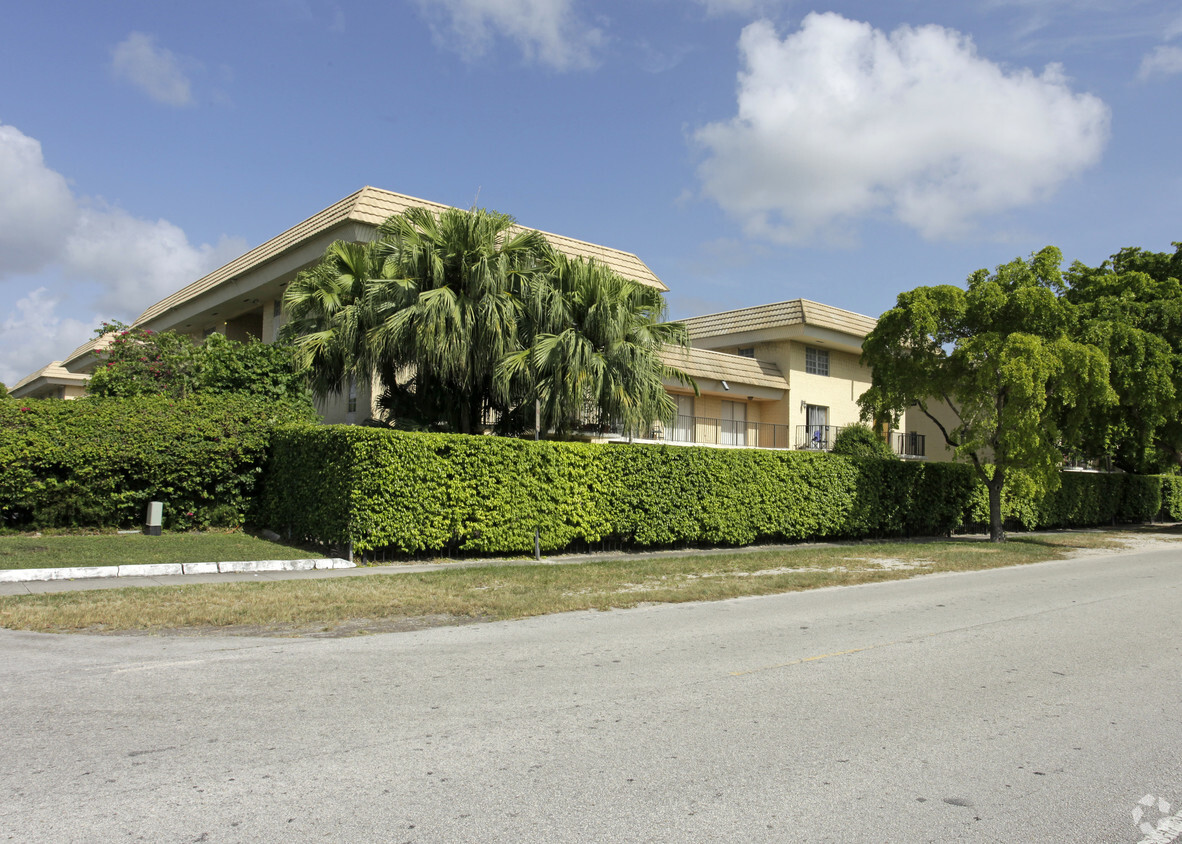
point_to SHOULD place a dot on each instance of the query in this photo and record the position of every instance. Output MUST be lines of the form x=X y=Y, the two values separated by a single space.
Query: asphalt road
x=1028 y=704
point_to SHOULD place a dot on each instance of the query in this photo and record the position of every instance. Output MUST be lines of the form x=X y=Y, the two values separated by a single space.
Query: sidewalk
x=261 y=571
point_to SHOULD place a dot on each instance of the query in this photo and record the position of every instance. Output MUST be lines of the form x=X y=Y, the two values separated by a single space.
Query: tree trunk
x=997 y=531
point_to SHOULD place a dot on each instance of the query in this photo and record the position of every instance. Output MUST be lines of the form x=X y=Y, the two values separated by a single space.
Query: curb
x=166 y=569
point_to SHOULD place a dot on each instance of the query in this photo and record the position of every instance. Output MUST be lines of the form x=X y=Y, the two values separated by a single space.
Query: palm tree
x=464 y=316
x=448 y=308
x=595 y=352
x=327 y=316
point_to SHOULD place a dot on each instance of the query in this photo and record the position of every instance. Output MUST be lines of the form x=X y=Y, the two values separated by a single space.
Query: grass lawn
x=380 y=602
x=68 y=551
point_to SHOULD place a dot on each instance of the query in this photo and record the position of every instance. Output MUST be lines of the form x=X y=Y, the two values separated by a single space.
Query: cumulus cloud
x=548 y=32
x=1165 y=60
x=37 y=208
x=154 y=70
x=45 y=227
x=840 y=121
x=32 y=334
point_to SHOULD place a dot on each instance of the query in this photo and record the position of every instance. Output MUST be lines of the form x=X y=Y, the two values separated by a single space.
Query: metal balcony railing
x=816 y=437
x=908 y=445
x=701 y=430
x=821 y=437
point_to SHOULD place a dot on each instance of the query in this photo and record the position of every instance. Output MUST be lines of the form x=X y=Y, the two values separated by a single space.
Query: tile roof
x=779 y=315
x=51 y=370
x=703 y=363
x=92 y=345
x=372 y=206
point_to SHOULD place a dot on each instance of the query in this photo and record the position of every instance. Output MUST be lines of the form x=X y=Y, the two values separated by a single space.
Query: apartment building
x=784 y=375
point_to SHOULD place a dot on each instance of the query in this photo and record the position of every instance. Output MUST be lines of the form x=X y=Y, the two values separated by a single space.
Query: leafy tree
x=998 y=360
x=862 y=441
x=463 y=315
x=3 y=391
x=140 y=362
x=1131 y=308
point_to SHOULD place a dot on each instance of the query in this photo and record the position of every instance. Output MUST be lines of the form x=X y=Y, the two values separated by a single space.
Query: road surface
x=1038 y=703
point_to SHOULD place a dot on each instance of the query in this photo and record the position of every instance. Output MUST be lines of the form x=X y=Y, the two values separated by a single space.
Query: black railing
x=701 y=430
x=821 y=437
x=816 y=437
x=908 y=445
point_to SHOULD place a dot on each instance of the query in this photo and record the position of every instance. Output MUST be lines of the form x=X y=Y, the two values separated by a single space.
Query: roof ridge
x=744 y=308
x=835 y=308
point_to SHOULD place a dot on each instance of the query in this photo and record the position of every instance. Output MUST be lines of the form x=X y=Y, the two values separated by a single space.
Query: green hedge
x=97 y=462
x=424 y=493
x=1083 y=499
x=1171 y=498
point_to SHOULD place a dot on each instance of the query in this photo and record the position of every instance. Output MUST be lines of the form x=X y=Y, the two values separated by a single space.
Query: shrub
x=426 y=493
x=1083 y=499
x=1171 y=498
x=97 y=462
x=861 y=441
x=138 y=362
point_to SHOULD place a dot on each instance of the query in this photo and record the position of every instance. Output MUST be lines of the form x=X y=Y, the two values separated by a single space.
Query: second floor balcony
x=738 y=433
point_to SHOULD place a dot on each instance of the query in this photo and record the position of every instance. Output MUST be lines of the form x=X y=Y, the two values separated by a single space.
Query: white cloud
x=1161 y=61
x=840 y=121
x=547 y=31
x=37 y=208
x=152 y=69
x=137 y=261
x=739 y=7
x=45 y=227
x=33 y=334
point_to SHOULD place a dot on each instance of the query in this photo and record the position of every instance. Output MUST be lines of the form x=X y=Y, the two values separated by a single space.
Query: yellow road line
x=815 y=658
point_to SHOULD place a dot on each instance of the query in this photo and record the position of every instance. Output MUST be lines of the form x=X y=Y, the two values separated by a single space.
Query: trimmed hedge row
x=1171 y=498
x=417 y=493
x=1083 y=499
x=98 y=462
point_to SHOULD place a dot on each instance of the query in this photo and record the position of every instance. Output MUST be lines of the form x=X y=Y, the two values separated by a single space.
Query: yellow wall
x=937 y=449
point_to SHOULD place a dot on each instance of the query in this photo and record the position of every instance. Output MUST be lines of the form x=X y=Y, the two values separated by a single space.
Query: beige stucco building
x=785 y=375
x=52 y=381
x=242 y=298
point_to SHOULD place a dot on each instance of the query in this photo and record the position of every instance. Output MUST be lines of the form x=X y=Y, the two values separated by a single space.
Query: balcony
x=908 y=445
x=737 y=433
x=821 y=437
x=700 y=430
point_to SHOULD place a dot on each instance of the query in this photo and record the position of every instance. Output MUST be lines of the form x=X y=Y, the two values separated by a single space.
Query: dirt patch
x=1129 y=542
x=337 y=630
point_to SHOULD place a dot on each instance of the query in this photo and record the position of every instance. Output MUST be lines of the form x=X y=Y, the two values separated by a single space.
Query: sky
x=749 y=151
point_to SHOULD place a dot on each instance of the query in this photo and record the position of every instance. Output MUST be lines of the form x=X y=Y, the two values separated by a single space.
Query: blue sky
x=749 y=151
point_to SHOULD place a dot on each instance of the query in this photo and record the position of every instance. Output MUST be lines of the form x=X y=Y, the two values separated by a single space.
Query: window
x=351 y=406
x=747 y=352
x=816 y=361
x=276 y=319
x=683 y=424
x=733 y=424
x=817 y=427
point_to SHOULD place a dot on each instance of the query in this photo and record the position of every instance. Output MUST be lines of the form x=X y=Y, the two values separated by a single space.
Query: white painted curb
x=170 y=569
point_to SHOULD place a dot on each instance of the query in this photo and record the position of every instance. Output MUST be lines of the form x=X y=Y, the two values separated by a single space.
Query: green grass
x=395 y=601
x=69 y=551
